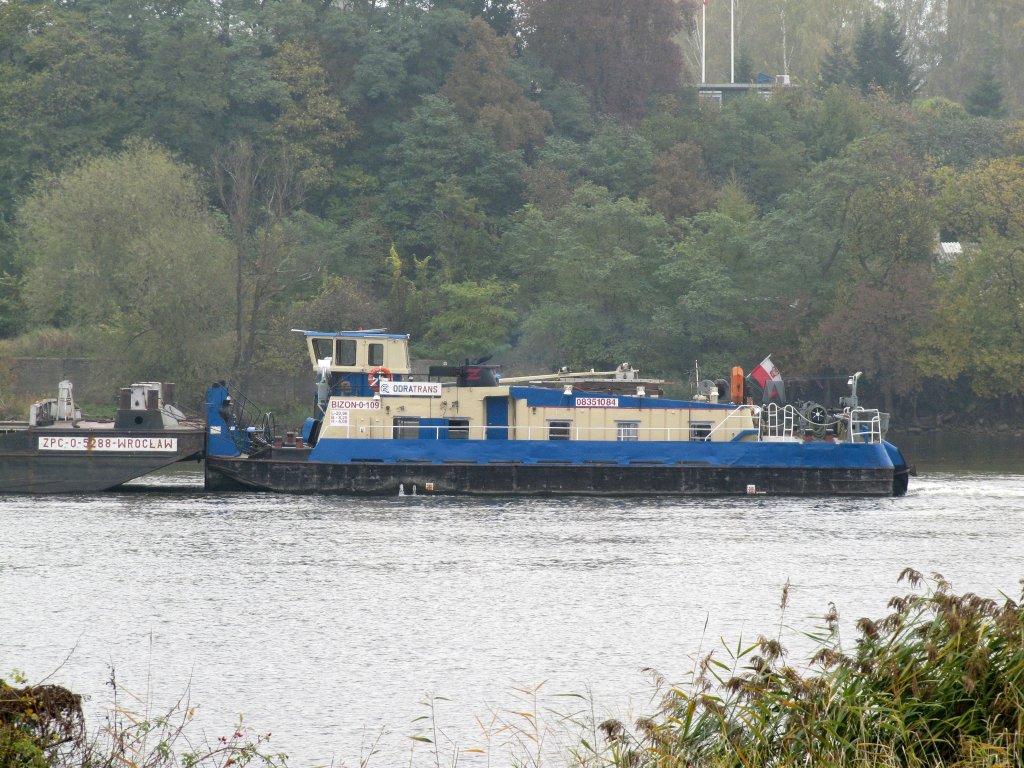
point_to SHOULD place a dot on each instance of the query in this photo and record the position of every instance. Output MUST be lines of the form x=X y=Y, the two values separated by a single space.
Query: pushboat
x=58 y=450
x=378 y=428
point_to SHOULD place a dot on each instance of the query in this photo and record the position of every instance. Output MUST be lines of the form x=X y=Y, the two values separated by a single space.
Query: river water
x=332 y=622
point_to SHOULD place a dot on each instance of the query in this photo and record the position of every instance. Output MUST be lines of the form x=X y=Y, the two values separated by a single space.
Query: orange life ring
x=375 y=376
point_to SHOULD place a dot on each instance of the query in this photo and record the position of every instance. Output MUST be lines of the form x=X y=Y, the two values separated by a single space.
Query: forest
x=535 y=181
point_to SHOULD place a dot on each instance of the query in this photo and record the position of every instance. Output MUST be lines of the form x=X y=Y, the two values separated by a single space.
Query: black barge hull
x=25 y=467
x=297 y=475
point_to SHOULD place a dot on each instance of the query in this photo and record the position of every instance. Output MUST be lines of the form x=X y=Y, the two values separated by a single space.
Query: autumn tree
x=480 y=88
x=986 y=199
x=681 y=187
x=873 y=327
x=620 y=51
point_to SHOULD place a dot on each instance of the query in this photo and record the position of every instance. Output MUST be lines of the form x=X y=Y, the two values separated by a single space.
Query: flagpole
x=732 y=41
x=703 y=41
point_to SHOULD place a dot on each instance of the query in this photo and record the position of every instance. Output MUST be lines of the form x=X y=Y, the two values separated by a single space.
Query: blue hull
x=385 y=467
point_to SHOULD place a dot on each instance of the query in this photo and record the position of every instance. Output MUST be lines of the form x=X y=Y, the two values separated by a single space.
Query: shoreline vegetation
x=938 y=681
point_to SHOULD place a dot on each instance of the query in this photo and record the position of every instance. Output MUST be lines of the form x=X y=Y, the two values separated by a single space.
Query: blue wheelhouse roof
x=355 y=334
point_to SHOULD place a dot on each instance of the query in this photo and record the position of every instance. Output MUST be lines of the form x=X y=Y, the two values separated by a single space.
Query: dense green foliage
x=182 y=182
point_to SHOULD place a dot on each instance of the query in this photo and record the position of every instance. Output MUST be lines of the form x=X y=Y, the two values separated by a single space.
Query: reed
x=938 y=681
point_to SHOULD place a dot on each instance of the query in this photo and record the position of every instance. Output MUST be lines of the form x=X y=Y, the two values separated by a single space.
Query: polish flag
x=769 y=379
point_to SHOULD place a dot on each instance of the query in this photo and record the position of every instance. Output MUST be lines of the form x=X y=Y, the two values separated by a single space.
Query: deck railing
x=693 y=433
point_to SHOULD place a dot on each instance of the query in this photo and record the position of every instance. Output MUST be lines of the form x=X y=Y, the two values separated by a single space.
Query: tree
x=65 y=90
x=759 y=142
x=887 y=225
x=471 y=319
x=482 y=91
x=881 y=60
x=259 y=194
x=585 y=278
x=985 y=99
x=979 y=325
x=125 y=245
x=836 y=68
x=620 y=51
x=434 y=147
x=185 y=85
x=978 y=34
x=312 y=126
x=385 y=58
x=873 y=327
x=680 y=186
x=618 y=158
x=986 y=199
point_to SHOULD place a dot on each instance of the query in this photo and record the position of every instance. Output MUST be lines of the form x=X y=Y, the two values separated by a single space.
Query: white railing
x=778 y=421
x=865 y=425
x=693 y=433
x=857 y=425
x=740 y=419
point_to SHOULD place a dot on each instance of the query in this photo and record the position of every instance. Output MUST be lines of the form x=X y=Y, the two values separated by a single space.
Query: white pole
x=703 y=42
x=732 y=41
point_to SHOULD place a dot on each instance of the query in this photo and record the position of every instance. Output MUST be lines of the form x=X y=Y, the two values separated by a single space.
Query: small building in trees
x=718 y=94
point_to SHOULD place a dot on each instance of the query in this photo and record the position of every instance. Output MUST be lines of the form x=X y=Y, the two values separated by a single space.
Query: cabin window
x=375 y=354
x=406 y=428
x=346 y=352
x=458 y=429
x=700 y=430
x=559 y=430
x=323 y=348
x=627 y=431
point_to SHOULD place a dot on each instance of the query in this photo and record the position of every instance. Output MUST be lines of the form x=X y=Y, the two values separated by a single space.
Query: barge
x=377 y=428
x=58 y=450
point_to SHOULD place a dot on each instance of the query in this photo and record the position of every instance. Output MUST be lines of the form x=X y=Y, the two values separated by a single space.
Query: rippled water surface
x=329 y=620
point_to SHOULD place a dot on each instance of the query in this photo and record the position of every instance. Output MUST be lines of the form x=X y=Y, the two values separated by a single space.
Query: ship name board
x=597 y=402
x=338 y=410
x=97 y=443
x=340 y=404
x=411 y=388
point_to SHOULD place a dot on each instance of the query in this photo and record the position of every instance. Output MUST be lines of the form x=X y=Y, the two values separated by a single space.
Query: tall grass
x=938 y=681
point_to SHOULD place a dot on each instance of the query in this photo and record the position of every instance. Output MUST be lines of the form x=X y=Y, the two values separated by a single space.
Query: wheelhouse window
x=700 y=431
x=375 y=354
x=323 y=348
x=406 y=428
x=346 y=352
x=559 y=430
x=458 y=429
x=627 y=431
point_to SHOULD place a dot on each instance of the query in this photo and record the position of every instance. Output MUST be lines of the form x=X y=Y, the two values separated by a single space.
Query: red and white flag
x=769 y=379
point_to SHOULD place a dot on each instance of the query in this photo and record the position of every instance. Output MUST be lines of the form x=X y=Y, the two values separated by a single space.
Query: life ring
x=376 y=374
